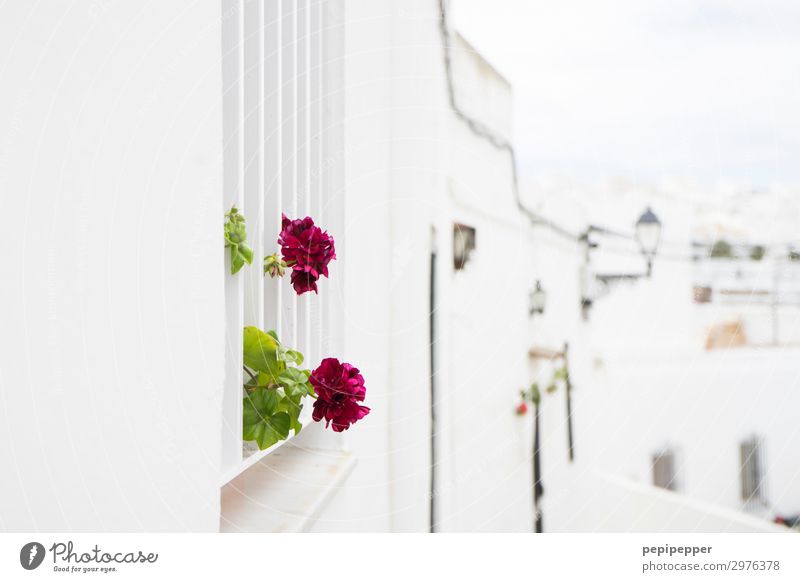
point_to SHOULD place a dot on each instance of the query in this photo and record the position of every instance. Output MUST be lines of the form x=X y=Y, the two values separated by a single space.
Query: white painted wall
x=608 y=503
x=704 y=405
x=486 y=472
x=412 y=171
x=413 y=167
x=643 y=381
x=110 y=172
x=394 y=116
x=111 y=355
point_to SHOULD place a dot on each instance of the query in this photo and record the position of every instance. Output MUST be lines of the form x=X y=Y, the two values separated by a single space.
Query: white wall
x=394 y=117
x=485 y=476
x=363 y=504
x=656 y=386
x=607 y=503
x=412 y=171
x=643 y=380
x=704 y=405
x=112 y=309
x=413 y=167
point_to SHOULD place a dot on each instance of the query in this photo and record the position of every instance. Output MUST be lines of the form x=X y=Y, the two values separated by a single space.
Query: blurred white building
x=677 y=392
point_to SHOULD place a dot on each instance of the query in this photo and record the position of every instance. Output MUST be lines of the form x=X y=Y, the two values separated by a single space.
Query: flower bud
x=273 y=266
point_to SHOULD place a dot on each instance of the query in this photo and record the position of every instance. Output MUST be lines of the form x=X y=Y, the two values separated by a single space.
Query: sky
x=648 y=89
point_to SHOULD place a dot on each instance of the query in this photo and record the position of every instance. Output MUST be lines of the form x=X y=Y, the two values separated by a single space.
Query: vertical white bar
x=302 y=156
x=333 y=156
x=315 y=167
x=232 y=69
x=273 y=157
x=253 y=162
x=262 y=190
x=333 y=178
x=311 y=301
x=289 y=159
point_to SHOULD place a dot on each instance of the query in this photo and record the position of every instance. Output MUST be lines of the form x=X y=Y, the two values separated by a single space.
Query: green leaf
x=237 y=260
x=292 y=405
x=294 y=418
x=293 y=357
x=268 y=432
x=260 y=352
x=296 y=391
x=246 y=253
x=295 y=383
x=274 y=335
x=535 y=395
x=260 y=404
x=292 y=376
x=236 y=233
x=263 y=422
x=235 y=237
x=261 y=380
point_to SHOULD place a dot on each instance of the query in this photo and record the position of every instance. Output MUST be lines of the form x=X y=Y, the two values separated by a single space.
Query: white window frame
x=283 y=153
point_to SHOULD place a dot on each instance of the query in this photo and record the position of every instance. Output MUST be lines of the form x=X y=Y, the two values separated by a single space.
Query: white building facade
x=121 y=369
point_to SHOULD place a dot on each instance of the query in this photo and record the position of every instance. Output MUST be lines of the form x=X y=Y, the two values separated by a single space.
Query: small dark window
x=664 y=470
x=752 y=476
x=463 y=244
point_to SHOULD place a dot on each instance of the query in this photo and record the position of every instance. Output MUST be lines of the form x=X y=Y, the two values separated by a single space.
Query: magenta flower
x=302 y=282
x=307 y=249
x=340 y=388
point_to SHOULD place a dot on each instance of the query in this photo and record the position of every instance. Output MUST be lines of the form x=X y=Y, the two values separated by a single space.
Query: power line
x=480 y=130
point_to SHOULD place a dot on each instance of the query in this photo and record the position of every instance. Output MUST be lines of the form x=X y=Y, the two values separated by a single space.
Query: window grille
x=282 y=81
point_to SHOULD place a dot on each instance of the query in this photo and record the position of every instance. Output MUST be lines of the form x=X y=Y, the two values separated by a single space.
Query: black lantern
x=648 y=235
x=537 y=299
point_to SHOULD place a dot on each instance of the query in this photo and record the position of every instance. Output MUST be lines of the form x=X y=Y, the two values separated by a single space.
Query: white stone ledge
x=285 y=491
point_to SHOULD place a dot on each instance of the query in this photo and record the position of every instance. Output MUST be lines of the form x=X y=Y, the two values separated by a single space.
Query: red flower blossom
x=522 y=408
x=307 y=249
x=339 y=387
x=302 y=282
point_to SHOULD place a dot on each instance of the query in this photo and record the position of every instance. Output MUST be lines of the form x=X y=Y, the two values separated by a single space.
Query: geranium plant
x=236 y=240
x=533 y=394
x=277 y=387
x=306 y=249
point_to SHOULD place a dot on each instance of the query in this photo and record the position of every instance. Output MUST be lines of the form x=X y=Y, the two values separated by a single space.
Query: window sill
x=251 y=455
x=284 y=491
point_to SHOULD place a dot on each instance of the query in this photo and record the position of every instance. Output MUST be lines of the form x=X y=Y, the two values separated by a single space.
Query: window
x=283 y=153
x=665 y=470
x=463 y=245
x=752 y=477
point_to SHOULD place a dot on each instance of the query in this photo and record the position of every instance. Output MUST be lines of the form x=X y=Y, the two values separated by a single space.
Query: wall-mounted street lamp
x=647 y=233
x=537 y=299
